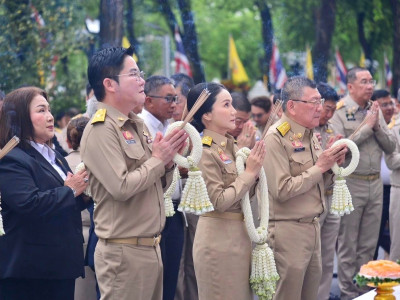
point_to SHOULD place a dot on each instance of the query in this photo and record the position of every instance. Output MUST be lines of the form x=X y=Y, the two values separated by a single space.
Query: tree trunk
x=189 y=40
x=396 y=46
x=325 y=26
x=363 y=40
x=130 y=27
x=111 y=28
x=267 y=34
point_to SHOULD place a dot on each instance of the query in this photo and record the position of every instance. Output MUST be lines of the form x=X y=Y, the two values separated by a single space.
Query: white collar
x=45 y=151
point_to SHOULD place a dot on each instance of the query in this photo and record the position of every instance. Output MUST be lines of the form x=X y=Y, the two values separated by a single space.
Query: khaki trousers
x=358 y=233
x=187 y=285
x=297 y=251
x=394 y=223
x=329 y=232
x=128 y=272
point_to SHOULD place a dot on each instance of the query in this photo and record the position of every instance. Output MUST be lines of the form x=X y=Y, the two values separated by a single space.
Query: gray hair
x=294 y=87
x=91 y=106
x=352 y=74
x=153 y=83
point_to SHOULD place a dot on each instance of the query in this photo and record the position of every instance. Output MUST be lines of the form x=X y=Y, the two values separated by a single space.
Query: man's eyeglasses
x=365 y=82
x=135 y=73
x=169 y=99
x=386 y=105
x=315 y=102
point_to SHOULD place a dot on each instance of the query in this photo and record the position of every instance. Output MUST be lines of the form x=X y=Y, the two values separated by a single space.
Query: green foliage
x=28 y=50
x=362 y=280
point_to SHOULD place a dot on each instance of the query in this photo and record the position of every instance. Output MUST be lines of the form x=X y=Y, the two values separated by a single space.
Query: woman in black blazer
x=41 y=253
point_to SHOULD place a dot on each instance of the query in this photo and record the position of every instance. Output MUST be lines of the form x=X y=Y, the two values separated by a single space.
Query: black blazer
x=41 y=217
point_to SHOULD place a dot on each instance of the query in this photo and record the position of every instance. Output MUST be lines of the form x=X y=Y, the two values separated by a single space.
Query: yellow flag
x=126 y=44
x=309 y=65
x=236 y=69
x=362 y=60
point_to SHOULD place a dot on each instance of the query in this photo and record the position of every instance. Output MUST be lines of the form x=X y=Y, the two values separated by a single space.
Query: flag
x=362 y=60
x=309 y=65
x=341 y=72
x=237 y=72
x=181 y=61
x=277 y=73
x=126 y=44
x=388 y=72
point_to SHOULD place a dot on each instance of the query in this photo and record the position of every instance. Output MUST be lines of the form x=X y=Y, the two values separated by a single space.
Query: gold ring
x=247 y=135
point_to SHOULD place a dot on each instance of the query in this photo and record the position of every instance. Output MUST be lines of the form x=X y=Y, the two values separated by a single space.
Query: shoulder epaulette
x=340 y=104
x=207 y=140
x=392 y=123
x=283 y=128
x=99 y=116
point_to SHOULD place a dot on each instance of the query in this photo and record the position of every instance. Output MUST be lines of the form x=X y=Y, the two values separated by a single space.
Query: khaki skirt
x=221 y=255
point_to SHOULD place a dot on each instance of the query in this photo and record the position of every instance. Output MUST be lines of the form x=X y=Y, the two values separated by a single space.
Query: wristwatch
x=73 y=191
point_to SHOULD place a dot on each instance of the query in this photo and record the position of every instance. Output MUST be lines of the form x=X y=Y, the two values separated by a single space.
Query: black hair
x=106 y=63
x=240 y=102
x=262 y=102
x=194 y=93
x=327 y=92
x=184 y=81
x=379 y=94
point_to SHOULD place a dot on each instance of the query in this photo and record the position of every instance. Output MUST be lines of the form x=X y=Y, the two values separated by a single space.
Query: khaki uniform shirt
x=125 y=180
x=225 y=187
x=393 y=159
x=370 y=143
x=326 y=132
x=295 y=183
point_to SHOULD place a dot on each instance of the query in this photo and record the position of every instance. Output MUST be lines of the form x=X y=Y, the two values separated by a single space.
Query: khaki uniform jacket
x=326 y=132
x=125 y=180
x=393 y=159
x=296 y=185
x=370 y=143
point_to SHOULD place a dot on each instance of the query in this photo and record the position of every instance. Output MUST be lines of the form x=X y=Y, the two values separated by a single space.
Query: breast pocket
x=350 y=127
x=300 y=162
x=135 y=155
x=229 y=173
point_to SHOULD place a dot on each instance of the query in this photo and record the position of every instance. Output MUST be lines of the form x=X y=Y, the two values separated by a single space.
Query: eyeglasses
x=315 y=102
x=169 y=99
x=137 y=74
x=257 y=116
x=366 y=82
x=386 y=105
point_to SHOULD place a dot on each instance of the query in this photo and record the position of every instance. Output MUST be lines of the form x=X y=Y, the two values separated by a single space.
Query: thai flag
x=341 y=72
x=277 y=73
x=388 y=72
x=181 y=60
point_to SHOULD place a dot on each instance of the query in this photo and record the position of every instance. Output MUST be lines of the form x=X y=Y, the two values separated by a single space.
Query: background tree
x=396 y=45
x=111 y=23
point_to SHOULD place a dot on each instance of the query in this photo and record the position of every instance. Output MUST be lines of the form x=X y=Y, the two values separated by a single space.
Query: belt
x=224 y=215
x=329 y=192
x=301 y=220
x=366 y=177
x=141 y=241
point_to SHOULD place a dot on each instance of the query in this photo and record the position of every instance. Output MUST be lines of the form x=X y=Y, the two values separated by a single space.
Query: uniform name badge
x=129 y=139
x=224 y=157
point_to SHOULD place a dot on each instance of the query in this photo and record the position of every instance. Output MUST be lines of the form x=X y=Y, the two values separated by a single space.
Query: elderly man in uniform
x=329 y=223
x=297 y=171
x=358 y=233
x=128 y=171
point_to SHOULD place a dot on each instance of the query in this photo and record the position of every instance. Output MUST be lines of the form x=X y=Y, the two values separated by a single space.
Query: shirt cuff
x=157 y=165
x=315 y=174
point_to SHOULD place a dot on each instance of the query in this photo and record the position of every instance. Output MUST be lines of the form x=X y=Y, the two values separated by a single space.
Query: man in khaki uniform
x=127 y=176
x=358 y=233
x=329 y=222
x=297 y=170
x=393 y=163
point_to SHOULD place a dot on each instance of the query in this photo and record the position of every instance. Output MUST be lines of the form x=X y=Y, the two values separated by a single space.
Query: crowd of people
x=100 y=231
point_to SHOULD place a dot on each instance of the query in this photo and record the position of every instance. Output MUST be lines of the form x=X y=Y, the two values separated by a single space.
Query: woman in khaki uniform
x=222 y=247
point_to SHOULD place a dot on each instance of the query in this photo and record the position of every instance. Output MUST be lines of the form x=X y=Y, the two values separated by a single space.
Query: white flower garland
x=194 y=198
x=2 y=232
x=341 y=198
x=264 y=275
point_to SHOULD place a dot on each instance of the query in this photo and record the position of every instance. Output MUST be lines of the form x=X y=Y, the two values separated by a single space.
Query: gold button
x=223 y=144
x=121 y=119
x=299 y=135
